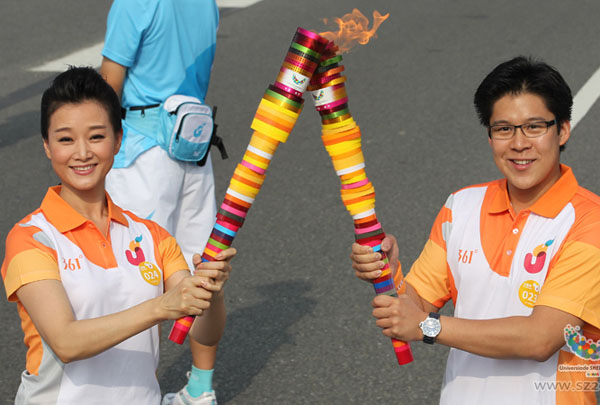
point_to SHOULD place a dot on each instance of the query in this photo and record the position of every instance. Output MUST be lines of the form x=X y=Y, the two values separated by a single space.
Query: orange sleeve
x=573 y=282
x=172 y=257
x=27 y=260
x=429 y=273
x=169 y=255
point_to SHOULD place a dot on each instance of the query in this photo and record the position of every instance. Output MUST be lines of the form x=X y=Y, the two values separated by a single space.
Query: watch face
x=431 y=327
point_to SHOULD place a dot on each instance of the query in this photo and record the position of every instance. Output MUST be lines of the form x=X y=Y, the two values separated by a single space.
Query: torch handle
x=275 y=118
x=385 y=285
x=181 y=327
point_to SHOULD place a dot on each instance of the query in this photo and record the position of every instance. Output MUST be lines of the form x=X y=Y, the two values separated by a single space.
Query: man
x=155 y=49
x=519 y=257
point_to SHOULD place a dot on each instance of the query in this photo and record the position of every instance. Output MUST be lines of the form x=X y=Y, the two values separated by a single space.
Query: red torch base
x=179 y=331
x=403 y=354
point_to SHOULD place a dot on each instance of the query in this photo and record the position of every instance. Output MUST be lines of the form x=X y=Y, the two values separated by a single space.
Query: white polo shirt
x=101 y=275
x=495 y=264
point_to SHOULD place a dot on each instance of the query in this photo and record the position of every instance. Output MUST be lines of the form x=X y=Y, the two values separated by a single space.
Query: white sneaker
x=184 y=398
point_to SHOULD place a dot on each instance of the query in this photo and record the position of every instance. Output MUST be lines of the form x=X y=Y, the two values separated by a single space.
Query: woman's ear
x=119 y=136
x=47 y=149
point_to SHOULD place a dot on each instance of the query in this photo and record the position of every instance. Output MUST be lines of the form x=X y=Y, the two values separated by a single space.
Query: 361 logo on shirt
x=70 y=263
x=466 y=256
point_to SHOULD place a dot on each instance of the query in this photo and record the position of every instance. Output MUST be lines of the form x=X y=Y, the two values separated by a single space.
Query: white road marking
x=92 y=56
x=84 y=57
x=585 y=98
x=236 y=3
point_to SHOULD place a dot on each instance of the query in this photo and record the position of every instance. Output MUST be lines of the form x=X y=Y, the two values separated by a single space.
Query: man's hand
x=398 y=317
x=368 y=264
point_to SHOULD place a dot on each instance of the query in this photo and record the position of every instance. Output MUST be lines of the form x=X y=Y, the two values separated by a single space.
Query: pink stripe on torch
x=369 y=229
x=252 y=167
x=326 y=79
x=228 y=225
x=333 y=104
x=288 y=89
x=213 y=248
x=354 y=185
x=310 y=34
x=235 y=211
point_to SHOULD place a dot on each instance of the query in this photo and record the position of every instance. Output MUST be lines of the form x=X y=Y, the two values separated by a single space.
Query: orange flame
x=353 y=29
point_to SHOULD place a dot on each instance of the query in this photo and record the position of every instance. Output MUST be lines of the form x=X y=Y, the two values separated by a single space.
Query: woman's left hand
x=216 y=272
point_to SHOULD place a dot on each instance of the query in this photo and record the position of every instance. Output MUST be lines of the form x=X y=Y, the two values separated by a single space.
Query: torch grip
x=181 y=327
x=385 y=285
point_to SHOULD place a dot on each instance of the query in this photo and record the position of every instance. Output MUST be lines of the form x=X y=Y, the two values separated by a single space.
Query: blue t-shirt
x=168 y=47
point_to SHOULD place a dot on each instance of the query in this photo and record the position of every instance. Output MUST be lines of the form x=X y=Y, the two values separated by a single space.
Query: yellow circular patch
x=150 y=273
x=528 y=293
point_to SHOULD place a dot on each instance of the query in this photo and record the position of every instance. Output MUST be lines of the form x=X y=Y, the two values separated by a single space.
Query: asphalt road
x=299 y=327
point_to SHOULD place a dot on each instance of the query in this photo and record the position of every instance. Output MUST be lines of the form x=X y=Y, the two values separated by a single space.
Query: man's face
x=530 y=165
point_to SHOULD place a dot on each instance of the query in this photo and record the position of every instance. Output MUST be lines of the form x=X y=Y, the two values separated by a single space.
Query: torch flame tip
x=353 y=29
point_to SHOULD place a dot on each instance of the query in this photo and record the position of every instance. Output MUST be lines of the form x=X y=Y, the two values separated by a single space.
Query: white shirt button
x=509 y=252
x=516 y=231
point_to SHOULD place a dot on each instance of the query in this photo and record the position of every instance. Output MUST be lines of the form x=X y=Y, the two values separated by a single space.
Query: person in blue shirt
x=154 y=49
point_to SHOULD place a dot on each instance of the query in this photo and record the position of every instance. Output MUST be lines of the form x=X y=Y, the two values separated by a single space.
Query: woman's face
x=81 y=146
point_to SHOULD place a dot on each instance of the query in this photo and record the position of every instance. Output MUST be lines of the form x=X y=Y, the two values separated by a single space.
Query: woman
x=91 y=281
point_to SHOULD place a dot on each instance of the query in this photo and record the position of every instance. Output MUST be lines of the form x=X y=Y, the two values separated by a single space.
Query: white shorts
x=179 y=196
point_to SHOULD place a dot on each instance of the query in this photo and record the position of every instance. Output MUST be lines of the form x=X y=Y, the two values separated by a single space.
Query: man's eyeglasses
x=530 y=129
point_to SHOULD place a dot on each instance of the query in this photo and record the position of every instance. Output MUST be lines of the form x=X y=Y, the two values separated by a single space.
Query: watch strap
x=428 y=339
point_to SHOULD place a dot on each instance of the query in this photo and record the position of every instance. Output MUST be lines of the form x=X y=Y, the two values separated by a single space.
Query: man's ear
x=565 y=132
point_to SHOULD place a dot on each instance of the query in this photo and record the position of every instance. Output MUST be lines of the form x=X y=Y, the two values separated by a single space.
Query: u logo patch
x=536 y=265
x=135 y=256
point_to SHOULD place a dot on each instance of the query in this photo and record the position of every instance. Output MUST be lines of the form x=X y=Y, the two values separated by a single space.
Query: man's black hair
x=74 y=86
x=525 y=75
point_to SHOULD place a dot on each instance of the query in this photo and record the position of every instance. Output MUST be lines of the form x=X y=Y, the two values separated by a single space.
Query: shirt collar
x=500 y=202
x=548 y=205
x=65 y=218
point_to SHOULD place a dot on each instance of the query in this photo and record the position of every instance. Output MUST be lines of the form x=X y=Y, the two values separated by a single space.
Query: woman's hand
x=216 y=273
x=190 y=296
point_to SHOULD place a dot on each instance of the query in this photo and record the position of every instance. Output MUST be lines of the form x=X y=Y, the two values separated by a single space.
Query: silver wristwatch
x=431 y=327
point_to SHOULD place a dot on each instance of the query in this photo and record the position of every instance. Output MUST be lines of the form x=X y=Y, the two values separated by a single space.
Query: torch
x=274 y=120
x=342 y=139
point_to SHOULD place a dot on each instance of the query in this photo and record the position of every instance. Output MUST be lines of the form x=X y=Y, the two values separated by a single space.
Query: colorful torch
x=342 y=139
x=274 y=120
